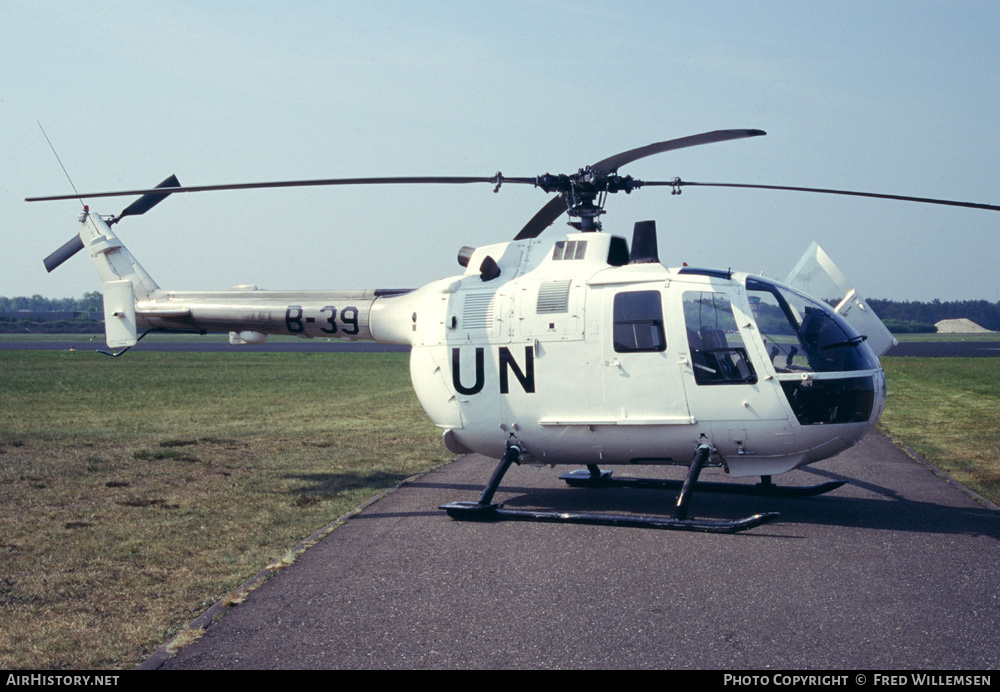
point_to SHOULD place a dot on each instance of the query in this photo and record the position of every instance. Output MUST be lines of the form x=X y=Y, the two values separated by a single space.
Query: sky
x=891 y=97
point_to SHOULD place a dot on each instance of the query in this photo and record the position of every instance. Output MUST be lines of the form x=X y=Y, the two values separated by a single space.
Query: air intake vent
x=478 y=311
x=553 y=296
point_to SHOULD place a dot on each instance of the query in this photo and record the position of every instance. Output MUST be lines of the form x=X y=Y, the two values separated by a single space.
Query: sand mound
x=962 y=326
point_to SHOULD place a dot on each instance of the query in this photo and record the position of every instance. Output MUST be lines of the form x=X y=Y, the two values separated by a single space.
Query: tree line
x=90 y=302
x=901 y=315
x=26 y=314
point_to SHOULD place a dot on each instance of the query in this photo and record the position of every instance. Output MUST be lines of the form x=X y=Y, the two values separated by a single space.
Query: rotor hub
x=585 y=192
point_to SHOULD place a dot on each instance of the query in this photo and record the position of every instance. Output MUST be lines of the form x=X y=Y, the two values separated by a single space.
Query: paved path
x=898 y=569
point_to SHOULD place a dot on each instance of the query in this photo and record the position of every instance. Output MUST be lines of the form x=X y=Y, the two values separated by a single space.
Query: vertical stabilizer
x=111 y=259
x=124 y=279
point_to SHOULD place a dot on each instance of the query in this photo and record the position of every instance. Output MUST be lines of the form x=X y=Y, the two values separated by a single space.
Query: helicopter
x=574 y=348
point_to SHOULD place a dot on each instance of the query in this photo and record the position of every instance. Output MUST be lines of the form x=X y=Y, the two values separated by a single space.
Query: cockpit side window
x=718 y=354
x=638 y=322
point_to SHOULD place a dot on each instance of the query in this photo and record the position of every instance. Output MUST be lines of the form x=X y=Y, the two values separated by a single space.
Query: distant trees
x=91 y=301
x=57 y=323
x=982 y=312
x=906 y=327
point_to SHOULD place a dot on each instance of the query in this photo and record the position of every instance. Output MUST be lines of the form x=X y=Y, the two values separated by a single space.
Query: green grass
x=136 y=492
x=914 y=338
x=948 y=410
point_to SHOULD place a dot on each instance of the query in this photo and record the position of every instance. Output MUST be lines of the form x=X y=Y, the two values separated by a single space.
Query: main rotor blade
x=613 y=163
x=852 y=193
x=544 y=218
x=293 y=183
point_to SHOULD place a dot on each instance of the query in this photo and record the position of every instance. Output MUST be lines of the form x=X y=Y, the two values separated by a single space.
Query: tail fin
x=124 y=280
x=123 y=277
x=112 y=260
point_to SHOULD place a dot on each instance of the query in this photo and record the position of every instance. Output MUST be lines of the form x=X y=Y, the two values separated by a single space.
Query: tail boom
x=133 y=301
x=307 y=314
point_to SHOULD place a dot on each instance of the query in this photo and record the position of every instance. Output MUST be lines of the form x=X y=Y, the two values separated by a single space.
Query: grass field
x=948 y=411
x=932 y=338
x=136 y=492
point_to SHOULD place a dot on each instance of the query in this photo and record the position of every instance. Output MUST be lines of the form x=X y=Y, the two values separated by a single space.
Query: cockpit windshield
x=804 y=335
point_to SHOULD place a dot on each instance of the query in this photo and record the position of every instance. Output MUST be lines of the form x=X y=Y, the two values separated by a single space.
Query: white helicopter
x=574 y=348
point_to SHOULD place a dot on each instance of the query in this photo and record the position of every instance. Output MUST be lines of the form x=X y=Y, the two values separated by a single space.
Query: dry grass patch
x=136 y=492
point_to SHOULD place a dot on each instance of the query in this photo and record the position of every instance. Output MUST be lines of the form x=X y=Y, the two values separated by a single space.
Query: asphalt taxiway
x=896 y=570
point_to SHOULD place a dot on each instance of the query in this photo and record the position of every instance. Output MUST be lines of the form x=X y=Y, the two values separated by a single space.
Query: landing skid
x=602 y=479
x=486 y=510
x=473 y=511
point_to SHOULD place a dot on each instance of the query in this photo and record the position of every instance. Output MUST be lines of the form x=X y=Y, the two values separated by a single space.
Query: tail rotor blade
x=149 y=200
x=70 y=248
x=140 y=206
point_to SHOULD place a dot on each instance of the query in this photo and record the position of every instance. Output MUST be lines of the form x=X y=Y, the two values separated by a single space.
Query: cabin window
x=639 y=322
x=718 y=354
x=569 y=250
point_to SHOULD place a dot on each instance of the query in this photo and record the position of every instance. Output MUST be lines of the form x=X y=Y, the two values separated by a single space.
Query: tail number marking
x=295 y=320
